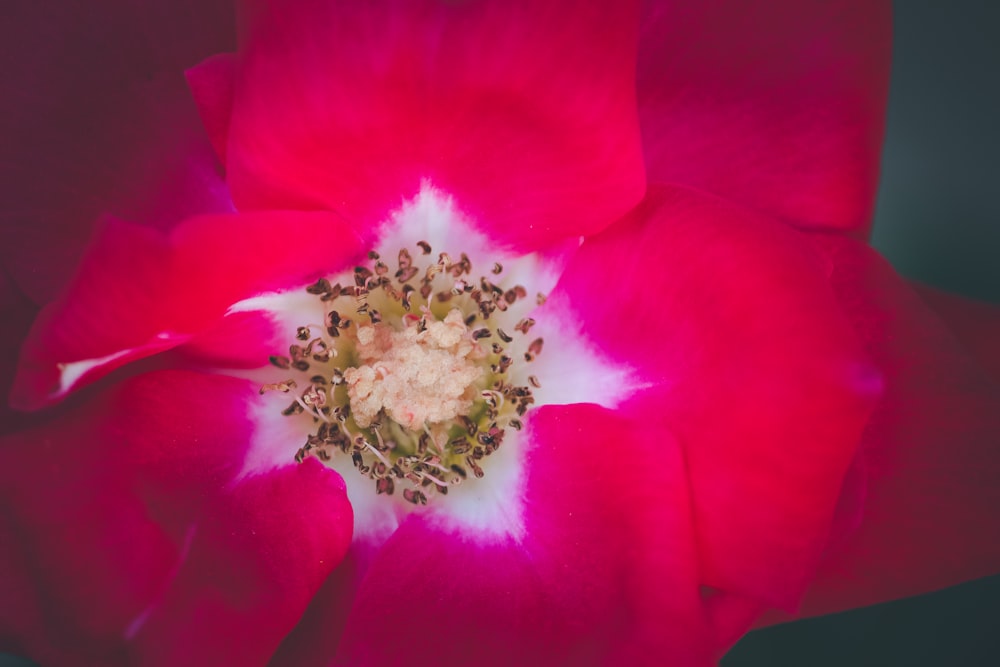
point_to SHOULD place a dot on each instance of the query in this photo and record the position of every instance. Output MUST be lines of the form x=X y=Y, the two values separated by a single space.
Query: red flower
x=734 y=414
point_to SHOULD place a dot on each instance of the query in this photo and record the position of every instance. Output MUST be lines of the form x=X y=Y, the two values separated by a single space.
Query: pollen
x=415 y=377
x=409 y=378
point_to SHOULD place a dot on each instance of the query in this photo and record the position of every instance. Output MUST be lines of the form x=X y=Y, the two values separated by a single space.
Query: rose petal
x=351 y=107
x=140 y=291
x=211 y=83
x=112 y=130
x=976 y=324
x=928 y=467
x=133 y=540
x=776 y=106
x=727 y=321
x=605 y=572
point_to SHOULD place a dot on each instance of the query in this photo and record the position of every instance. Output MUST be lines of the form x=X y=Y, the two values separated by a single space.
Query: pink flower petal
x=925 y=495
x=605 y=573
x=352 y=106
x=140 y=291
x=778 y=106
x=976 y=324
x=111 y=130
x=211 y=83
x=136 y=541
x=729 y=320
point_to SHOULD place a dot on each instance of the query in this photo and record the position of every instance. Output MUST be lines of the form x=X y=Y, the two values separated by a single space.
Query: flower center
x=415 y=377
x=418 y=393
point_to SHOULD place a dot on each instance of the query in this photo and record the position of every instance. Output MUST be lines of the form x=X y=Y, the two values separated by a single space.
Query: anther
x=406 y=275
x=414 y=496
x=361 y=275
x=476 y=470
x=426 y=460
x=281 y=362
x=321 y=286
x=283 y=387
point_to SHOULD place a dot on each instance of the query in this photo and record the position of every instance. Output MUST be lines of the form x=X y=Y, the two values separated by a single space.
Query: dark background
x=938 y=221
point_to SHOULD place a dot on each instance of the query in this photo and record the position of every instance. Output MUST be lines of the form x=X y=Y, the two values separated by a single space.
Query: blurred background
x=938 y=221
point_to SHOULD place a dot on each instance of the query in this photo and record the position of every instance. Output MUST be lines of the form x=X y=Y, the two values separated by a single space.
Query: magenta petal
x=976 y=324
x=127 y=522
x=605 y=572
x=111 y=129
x=776 y=105
x=314 y=640
x=729 y=321
x=211 y=83
x=350 y=106
x=920 y=512
x=256 y=560
x=139 y=291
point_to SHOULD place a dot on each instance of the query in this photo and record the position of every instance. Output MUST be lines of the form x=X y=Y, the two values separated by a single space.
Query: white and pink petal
x=140 y=291
x=605 y=571
x=351 y=107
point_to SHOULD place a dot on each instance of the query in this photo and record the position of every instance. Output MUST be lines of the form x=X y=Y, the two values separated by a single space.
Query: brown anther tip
x=321 y=286
x=497 y=268
x=536 y=346
x=279 y=361
x=424 y=246
x=407 y=274
x=372 y=254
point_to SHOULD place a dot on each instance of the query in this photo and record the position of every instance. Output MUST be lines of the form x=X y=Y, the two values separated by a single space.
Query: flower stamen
x=419 y=392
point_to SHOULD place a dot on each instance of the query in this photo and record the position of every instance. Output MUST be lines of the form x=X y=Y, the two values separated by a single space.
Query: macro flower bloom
x=505 y=333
